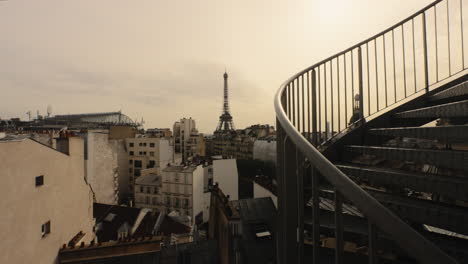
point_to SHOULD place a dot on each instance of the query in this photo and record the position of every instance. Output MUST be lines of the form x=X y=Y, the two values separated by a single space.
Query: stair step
x=457 y=109
x=458 y=90
x=356 y=228
x=446 y=134
x=448 y=186
x=440 y=158
x=449 y=217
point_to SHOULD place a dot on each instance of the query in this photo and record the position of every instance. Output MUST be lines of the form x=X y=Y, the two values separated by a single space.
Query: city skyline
x=163 y=61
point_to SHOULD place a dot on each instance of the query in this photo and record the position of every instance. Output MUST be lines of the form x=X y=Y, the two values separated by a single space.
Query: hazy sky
x=164 y=59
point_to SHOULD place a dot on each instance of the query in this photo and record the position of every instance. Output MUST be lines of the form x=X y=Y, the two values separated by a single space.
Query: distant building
x=159 y=132
x=45 y=198
x=264 y=186
x=144 y=250
x=115 y=223
x=239 y=144
x=187 y=141
x=264 y=148
x=182 y=188
x=148 y=192
x=244 y=229
x=226 y=176
x=147 y=152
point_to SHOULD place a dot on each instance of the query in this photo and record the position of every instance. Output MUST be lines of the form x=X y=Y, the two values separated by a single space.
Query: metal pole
x=426 y=69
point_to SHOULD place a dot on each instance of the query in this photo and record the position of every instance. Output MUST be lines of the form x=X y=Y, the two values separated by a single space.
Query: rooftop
x=180 y=168
x=150 y=179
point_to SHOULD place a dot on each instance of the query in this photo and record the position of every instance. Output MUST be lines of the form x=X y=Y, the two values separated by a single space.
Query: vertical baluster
x=332 y=99
x=325 y=92
x=319 y=100
x=373 y=259
x=308 y=106
x=448 y=39
x=376 y=75
x=461 y=33
x=414 y=55
x=303 y=104
x=339 y=98
x=298 y=104
x=346 y=91
x=314 y=109
x=300 y=207
x=293 y=104
x=426 y=67
x=436 y=48
x=352 y=81
x=361 y=94
x=394 y=66
x=339 y=228
x=385 y=70
x=404 y=56
x=368 y=80
x=315 y=215
x=289 y=101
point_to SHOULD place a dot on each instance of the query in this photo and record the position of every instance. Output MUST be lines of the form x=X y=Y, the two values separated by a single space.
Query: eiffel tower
x=225 y=120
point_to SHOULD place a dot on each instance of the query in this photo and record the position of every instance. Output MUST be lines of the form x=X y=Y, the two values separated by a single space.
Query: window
x=45 y=229
x=144 y=152
x=152 y=153
x=140 y=144
x=155 y=190
x=138 y=163
x=148 y=190
x=131 y=153
x=147 y=199
x=141 y=188
x=177 y=202
x=144 y=144
x=155 y=200
x=140 y=153
x=152 y=145
x=39 y=180
x=130 y=144
x=151 y=164
x=137 y=173
x=130 y=161
x=130 y=170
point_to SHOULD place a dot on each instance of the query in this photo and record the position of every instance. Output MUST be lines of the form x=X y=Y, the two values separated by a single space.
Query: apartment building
x=147 y=152
x=187 y=141
x=148 y=192
x=45 y=199
x=182 y=189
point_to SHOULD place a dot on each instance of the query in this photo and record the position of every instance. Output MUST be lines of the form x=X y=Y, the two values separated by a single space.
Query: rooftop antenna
x=29 y=115
x=49 y=110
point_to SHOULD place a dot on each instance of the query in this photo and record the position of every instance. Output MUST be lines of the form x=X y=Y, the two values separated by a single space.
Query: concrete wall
x=198 y=192
x=65 y=200
x=102 y=167
x=264 y=150
x=121 y=155
x=166 y=154
x=225 y=174
x=260 y=191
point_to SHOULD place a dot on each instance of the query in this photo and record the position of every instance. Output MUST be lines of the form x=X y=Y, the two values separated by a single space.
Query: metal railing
x=340 y=93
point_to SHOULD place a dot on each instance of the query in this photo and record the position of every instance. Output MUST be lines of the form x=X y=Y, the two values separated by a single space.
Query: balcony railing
x=342 y=92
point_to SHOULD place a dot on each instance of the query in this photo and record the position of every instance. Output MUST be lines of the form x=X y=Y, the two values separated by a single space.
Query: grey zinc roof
x=150 y=179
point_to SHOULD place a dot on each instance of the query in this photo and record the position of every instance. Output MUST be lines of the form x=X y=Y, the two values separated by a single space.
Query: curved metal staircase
x=373 y=148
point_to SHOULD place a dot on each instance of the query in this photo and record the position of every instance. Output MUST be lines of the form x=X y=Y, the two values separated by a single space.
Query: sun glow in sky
x=163 y=60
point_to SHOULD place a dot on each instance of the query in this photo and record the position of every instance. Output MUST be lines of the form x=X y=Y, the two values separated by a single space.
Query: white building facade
x=45 y=199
